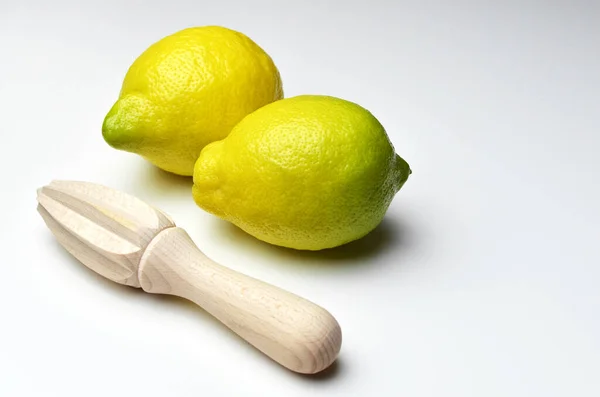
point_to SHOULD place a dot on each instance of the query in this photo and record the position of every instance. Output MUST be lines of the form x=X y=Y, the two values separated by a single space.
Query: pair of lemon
x=308 y=172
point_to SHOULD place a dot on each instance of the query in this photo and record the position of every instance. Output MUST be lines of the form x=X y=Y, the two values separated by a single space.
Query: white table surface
x=483 y=279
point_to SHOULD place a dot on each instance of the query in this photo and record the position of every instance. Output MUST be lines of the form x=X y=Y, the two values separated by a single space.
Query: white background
x=483 y=279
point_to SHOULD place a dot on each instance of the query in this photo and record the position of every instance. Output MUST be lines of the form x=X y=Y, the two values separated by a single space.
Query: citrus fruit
x=187 y=90
x=309 y=172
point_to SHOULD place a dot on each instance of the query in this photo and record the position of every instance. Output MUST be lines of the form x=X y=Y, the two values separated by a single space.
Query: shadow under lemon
x=150 y=182
x=153 y=183
x=156 y=180
x=390 y=234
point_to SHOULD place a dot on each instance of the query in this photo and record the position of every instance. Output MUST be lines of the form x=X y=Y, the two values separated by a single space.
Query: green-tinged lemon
x=309 y=172
x=188 y=90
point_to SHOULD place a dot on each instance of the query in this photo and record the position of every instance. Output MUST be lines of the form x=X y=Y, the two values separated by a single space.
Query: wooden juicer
x=132 y=243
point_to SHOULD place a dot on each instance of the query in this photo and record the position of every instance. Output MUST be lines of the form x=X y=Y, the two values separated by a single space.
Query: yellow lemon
x=308 y=172
x=187 y=90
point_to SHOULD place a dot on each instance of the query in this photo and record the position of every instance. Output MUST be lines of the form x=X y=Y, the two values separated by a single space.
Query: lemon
x=187 y=90
x=308 y=172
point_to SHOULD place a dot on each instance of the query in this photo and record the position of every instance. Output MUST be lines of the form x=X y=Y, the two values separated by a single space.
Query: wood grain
x=132 y=243
x=107 y=230
x=293 y=331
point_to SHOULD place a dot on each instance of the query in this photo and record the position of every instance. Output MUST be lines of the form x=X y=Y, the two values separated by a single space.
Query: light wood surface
x=107 y=230
x=133 y=243
x=293 y=331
